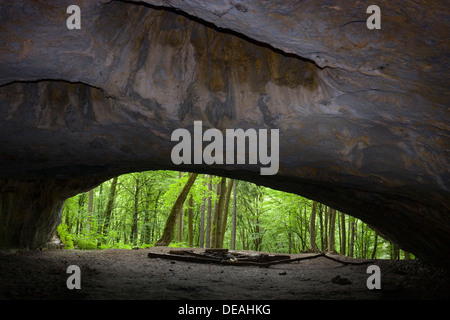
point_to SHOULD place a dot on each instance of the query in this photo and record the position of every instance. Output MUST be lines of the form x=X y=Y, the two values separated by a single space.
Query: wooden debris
x=226 y=257
x=222 y=256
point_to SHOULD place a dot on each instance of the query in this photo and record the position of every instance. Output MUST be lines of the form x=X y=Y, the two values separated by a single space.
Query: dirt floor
x=130 y=274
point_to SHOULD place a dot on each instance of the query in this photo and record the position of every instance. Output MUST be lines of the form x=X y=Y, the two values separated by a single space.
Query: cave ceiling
x=362 y=114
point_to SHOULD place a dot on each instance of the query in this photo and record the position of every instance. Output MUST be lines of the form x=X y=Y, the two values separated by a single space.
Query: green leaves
x=267 y=219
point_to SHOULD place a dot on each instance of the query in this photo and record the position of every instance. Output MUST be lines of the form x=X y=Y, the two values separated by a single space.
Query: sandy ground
x=129 y=274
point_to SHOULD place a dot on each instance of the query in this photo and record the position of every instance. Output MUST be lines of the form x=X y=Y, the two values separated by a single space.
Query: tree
x=191 y=221
x=89 y=212
x=218 y=213
x=352 y=238
x=168 y=232
x=201 y=241
x=331 y=247
x=343 y=235
x=134 y=228
x=109 y=206
x=180 y=215
x=208 y=215
x=374 y=252
x=269 y=219
x=81 y=202
x=224 y=215
x=233 y=227
x=312 y=228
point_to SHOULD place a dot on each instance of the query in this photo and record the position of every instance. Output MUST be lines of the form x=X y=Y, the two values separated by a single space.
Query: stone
x=362 y=114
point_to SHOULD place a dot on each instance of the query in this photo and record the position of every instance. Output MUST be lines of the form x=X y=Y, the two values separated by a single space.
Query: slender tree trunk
x=167 y=236
x=374 y=252
x=233 y=227
x=180 y=216
x=89 y=212
x=134 y=227
x=395 y=251
x=218 y=212
x=109 y=206
x=305 y=228
x=322 y=240
x=363 y=251
x=331 y=241
x=146 y=230
x=202 y=220
x=343 y=234
x=352 y=240
x=191 y=221
x=81 y=201
x=312 y=228
x=155 y=223
x=224 y=215
x=208 y=215
x=326 y=214
x=100 y=213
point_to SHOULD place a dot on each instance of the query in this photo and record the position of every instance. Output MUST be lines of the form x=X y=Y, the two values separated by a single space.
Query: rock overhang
x=360 y=130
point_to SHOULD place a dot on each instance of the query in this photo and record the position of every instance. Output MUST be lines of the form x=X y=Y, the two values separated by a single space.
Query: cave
x=362 y=114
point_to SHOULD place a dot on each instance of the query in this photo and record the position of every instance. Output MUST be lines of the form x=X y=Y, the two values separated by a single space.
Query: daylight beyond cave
x=362 y=114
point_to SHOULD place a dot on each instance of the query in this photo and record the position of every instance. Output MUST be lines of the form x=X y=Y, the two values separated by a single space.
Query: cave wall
x=363 y=114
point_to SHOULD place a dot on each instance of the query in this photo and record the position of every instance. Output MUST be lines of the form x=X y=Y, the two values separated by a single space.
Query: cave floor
x=129 y=274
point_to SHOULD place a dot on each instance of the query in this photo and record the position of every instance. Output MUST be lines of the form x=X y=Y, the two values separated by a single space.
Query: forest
x=180 y=209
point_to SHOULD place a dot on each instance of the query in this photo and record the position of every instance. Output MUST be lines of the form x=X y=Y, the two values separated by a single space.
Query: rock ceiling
x=363 y=115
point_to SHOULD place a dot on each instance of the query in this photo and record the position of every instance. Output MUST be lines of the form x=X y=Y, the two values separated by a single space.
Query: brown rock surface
x=363 y=114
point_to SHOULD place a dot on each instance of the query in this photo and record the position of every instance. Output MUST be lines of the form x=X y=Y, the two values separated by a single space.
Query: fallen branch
x=313 y=257
x=239 y=259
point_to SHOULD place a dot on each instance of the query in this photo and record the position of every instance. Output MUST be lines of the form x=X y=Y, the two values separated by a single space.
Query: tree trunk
x=180 y=215
x=224 y=215
x=312 y=228
x=146 y=230
x=169 y=228
x=100 y=213
x=331 y=247
x=395 y=251
x=352 y=239
x=208 y=215
x=89 y=211
x=233 y=227
x=326 y=214
x=109 y=206
x=155 y=218
x=374 y=252
x=191 y=222
x=322 y=240
x=343 y=234
x=218 y=211
x=214 y=217
x=134 y=227
x=201 y=242
x=81 y=202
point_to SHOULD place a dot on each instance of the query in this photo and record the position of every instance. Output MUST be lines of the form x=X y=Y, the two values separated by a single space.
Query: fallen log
x=240 y=259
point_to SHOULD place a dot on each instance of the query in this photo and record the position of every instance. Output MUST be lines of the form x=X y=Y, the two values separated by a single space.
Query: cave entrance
x=133 y=211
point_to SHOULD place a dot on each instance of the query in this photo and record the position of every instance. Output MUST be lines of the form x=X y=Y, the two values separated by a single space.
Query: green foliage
x=176 y=244
x=267 y=219
x=65 y=236
x=84 y=243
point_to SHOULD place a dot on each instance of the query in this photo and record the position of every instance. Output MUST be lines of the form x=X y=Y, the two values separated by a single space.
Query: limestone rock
x=363 y=114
